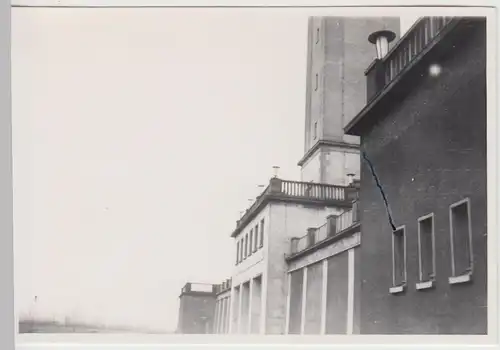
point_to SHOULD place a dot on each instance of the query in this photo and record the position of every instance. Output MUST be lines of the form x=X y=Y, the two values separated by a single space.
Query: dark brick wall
x=429 y=152
x=193 y=309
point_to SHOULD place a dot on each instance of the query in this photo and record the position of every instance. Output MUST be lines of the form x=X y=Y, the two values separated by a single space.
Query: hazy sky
x=138 y=136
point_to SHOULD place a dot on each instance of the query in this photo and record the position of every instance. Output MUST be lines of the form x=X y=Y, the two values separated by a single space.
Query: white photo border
x=8 y=326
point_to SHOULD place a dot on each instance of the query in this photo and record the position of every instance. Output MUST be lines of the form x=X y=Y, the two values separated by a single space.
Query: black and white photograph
x=252 y=171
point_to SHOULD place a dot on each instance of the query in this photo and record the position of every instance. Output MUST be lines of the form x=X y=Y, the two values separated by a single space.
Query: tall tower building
x=338 y=55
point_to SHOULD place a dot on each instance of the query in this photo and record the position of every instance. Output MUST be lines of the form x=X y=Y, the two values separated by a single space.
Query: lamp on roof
x=381 y=40
x=275 y=170
x=350 y=178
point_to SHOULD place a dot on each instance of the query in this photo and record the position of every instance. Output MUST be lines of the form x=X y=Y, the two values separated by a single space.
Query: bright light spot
x=434 y=70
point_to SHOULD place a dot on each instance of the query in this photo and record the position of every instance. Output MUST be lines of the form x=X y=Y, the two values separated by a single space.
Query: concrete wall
x=429 y=152
x=254 y=266
x=295 y=301
x=325 y=290
x=287 y=220
x=314 y=295
x=311 y=170
x=337 y=289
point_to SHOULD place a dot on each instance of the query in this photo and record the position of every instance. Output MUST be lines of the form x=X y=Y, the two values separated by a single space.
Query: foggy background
x=138 y=136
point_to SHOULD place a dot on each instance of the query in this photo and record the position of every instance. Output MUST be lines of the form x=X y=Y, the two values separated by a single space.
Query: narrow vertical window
x=461 y=242
x=315 y=130
x=317 y=35
x=237 y=252
x=245 y=250
x=256 y=242
x=261 y=233
x=398 y=260
x=316 y=82
x=426 y=252
x=250 y=243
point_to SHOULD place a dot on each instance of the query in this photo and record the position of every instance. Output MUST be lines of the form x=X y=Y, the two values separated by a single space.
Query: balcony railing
x=384 y=71
x=224 y=286
x=199 y=287
x=296 y=190
x=311 y=190
x=334 y=226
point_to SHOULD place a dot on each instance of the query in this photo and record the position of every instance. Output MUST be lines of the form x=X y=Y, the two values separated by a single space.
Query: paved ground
x=52 y=327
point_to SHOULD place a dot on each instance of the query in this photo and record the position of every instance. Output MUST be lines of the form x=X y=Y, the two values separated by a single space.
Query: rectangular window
x=256 y=242
x=250 y=243
x=241 y=249
x=426 y=251
x=398 y=260
x=237 y=252
x=317 y=35
x=315 y=130
x=461 y=242
x=261 y=233
x=316 y=84
x=245 y=251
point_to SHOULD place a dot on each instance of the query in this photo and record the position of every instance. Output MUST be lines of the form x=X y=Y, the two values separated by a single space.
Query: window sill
x=425 y=285
x=460 y=279
x=397 y=289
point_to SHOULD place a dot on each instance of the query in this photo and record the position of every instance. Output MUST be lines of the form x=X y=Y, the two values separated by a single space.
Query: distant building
x=423 y=183
x=196 y=310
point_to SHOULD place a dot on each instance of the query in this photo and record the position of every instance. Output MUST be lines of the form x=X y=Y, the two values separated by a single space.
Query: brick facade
x=429 y=151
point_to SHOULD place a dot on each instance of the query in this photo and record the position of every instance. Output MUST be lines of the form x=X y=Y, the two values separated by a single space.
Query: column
x=234 y=312
x=350 y=293
x=222 y=316
x=245 y=305
x=288 y=299
x=219 y=316
x=227 y=301
x=255 y=305
x=304 y=303
x=324 y=296
x=250 y=296
x=240 y=308
x=216 y=317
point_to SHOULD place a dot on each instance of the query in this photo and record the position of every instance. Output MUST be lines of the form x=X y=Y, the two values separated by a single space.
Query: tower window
x=316 y=83
x=398 y=260
x=315 y=130
x=461 y=242
x=426 y=251
x=317 y=35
